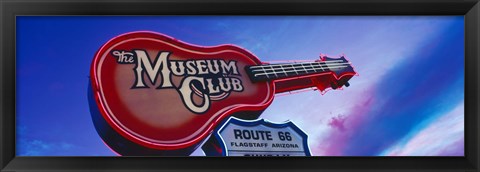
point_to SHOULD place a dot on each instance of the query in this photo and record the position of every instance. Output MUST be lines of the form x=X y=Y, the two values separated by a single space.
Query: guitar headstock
x=324 y=73
x=342 y=72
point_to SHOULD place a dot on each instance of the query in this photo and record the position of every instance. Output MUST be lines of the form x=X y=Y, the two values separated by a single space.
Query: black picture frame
x=10 y=9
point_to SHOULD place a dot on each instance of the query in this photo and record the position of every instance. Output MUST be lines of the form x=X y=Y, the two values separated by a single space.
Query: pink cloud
x=345 y=126
x=338 y=122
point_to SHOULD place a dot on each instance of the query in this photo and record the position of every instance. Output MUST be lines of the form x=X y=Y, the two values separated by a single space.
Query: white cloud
x=36 y=147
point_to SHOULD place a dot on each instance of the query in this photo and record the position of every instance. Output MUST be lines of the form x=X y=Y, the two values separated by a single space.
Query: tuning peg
x=347 y=84
x=322 y=57
x=333 y=85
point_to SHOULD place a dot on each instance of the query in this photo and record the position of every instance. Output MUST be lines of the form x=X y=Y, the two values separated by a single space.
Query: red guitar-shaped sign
x=151 y=94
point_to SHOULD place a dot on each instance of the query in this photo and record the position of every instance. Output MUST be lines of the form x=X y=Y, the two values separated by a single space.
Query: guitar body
x=151 y=94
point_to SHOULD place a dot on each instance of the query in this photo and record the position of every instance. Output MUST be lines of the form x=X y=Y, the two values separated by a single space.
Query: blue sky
x=408 y=99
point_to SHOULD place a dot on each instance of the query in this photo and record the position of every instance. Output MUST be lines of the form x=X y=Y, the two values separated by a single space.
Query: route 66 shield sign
x=237 y=137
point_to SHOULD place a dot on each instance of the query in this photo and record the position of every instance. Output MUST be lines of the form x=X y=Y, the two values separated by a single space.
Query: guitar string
x=286 y=64
x=296 y=71
x=271 y=68
x=267 y=73
x=338 y=65
x=326 y=62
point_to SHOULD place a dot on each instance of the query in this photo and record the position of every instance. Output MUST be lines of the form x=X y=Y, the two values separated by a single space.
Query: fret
x=259 y=74
x=311 y=64
x=328 y=67
x=294 y=69
x=321 y=66
x=265 y=71
x=304 y=68
x=274 y=71
x=283 y=70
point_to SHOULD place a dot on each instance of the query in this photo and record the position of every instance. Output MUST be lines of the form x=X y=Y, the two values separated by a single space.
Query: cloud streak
x=443 y=136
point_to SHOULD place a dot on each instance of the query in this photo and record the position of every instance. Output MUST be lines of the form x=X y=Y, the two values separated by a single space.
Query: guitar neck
x=269 y=72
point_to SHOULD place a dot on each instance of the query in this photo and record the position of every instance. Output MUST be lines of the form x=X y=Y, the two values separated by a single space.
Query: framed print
x=286 y=85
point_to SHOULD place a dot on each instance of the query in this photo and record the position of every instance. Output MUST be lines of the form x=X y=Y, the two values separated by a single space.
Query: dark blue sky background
x=411 y=78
